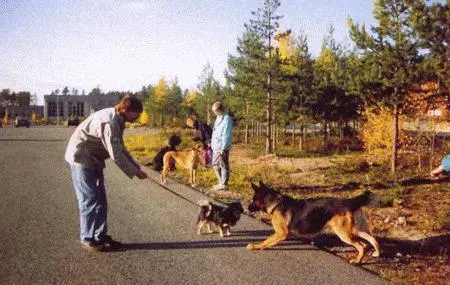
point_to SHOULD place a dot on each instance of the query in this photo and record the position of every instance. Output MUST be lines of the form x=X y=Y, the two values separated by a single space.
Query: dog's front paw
x=250 y=246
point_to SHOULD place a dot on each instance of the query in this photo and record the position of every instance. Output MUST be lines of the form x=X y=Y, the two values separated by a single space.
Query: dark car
x=73 y=121
x=21 y=122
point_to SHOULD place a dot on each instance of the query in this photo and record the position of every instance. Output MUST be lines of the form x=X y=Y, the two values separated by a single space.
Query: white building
x=61 y=107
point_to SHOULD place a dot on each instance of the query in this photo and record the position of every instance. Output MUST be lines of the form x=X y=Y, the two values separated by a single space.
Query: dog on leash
x=188 y=159
x=309 y=216
x=157 y=162
x=221 y=217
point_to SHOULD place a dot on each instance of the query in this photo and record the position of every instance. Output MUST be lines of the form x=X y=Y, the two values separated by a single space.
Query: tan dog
x=188 y=159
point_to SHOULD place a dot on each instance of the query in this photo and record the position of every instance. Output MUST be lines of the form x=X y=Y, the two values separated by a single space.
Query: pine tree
x=297 y=72
x=209 y=89
x=390 y=55
x=431 y=22
x=262 y=58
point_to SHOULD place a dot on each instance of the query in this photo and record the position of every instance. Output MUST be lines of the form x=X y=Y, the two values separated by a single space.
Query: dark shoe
x=110 y=244
x=92 y=245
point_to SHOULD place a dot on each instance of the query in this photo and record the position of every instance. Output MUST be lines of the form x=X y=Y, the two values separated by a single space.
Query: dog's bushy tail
x=362 y=200
x=205 y=208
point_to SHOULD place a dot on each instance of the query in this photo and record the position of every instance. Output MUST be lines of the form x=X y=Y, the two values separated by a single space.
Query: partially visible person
x=96 y=139
x=221 y=144
x=172 y=143
x=443 y=169
x=203 y=134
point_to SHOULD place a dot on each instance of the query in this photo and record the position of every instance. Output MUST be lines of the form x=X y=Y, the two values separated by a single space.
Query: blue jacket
x=222 y=132
x=446 y=163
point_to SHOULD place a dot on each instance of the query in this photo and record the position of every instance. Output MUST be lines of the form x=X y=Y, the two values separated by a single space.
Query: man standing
x=221 y=145
x=96 y=139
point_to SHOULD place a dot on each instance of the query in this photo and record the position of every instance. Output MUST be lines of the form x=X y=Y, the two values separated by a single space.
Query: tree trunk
x=274 y=137
x=247 y=131
x=302 y=137
x=253 y=129
x=274 y=133
x=293 y=134
x=325 y=135
x=394 y=161
x=433 y=138
x=258 y=134
x=269 y=147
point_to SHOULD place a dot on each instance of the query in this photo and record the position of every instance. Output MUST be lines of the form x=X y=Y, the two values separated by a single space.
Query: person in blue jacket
x=443 y=169
x=221 y=144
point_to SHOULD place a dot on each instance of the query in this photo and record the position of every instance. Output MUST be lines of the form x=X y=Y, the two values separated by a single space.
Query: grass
x=411 y=219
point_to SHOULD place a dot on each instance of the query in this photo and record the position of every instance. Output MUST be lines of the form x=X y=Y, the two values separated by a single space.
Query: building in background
x=23 y=111
x=61 y=107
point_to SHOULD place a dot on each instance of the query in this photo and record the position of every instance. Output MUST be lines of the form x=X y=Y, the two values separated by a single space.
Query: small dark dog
x=222 y=217
x=157 y=163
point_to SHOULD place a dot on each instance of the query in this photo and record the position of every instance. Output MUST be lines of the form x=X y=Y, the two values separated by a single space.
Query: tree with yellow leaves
x=5 y=119
x=161 y=91
x=33 y=117
x=144 y=118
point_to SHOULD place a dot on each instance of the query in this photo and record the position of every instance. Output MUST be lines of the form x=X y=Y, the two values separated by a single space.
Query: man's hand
x=141 y=175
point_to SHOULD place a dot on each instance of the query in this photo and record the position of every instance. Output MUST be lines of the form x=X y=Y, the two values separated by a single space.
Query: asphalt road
x=39 y=230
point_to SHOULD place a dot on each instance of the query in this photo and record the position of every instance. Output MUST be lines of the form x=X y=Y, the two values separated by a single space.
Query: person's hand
x=141 y=175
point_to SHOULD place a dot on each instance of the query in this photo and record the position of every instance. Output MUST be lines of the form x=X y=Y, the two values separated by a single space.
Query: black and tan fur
x=309 y=216
x=221 y=217
x=188 y=159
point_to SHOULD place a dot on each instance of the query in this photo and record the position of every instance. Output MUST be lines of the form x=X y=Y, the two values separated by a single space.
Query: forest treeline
x=400 y=65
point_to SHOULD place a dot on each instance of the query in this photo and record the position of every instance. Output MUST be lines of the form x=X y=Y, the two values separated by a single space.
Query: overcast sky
x=122 y=45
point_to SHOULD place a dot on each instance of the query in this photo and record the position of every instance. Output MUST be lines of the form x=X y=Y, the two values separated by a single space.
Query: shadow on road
x=190 y=244
x=427 y=247
x=234 y=241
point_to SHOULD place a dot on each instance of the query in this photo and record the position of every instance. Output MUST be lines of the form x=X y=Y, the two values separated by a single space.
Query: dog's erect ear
x=255 y=187
x=262 y=185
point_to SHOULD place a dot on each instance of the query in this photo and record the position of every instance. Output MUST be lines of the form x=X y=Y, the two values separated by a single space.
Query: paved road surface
x=39 y=230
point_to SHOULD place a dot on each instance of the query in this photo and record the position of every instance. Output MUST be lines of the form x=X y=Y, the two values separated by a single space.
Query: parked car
x=73 y=121
x=21 y=122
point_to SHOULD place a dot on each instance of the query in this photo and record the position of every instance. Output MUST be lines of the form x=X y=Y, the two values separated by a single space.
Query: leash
x=171 y=191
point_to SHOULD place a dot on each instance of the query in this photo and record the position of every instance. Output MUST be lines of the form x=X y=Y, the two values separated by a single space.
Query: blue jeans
x=90 y=191
x=221 y=166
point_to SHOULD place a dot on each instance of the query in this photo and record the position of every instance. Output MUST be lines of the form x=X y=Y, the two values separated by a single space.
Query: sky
x=122 y=45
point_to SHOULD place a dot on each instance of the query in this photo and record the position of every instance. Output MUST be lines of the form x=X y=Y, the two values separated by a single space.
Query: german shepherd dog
x=222 y=217
x=309 y=216
x=188 y=159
